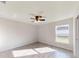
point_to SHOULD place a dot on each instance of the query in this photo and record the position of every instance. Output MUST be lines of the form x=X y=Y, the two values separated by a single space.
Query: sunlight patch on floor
x=25 y=52
x=45 y=50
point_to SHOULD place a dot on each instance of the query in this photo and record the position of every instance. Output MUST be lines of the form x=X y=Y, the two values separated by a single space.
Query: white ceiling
x=53 y=11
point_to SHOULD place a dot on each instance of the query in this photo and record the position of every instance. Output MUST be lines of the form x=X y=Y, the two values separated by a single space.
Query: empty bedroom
x=39 y=29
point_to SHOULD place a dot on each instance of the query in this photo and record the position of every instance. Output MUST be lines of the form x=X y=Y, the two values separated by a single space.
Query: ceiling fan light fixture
x=38 y=18
x=35 y=21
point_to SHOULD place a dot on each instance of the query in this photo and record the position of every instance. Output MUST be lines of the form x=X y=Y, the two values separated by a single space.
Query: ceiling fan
x=37 y=18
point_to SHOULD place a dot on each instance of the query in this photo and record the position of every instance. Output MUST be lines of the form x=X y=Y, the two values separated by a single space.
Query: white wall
x=14 y=34
x=47 y=33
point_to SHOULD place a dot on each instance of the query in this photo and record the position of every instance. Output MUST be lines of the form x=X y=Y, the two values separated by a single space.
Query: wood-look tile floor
x=37 y=50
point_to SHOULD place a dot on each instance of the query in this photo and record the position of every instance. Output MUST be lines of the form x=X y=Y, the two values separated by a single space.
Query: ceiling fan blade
x=42 y=19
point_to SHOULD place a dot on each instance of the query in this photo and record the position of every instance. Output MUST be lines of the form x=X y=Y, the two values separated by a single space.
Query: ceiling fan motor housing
x=37 y=17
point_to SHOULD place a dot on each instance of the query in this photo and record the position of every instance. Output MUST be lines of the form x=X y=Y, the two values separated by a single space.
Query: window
x=62 y=34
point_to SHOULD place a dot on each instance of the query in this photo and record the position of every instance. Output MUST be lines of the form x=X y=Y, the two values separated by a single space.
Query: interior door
x=77 y=37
